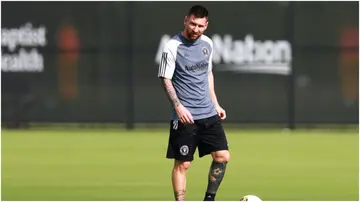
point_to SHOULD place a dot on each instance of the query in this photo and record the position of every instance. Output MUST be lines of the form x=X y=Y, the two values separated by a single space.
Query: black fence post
x=291 y=77
x=130 y=78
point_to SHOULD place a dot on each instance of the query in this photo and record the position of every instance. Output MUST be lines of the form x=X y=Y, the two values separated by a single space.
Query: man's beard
x=193 y=36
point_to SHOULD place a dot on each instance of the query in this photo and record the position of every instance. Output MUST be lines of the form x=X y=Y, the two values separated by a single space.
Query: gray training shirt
x=187 y=64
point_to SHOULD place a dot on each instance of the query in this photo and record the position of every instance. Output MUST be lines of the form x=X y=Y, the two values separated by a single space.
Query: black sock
x=209 y=197
x=216 y=174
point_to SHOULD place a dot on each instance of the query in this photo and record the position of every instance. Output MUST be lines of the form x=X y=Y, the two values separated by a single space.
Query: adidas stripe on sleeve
x=167 y=62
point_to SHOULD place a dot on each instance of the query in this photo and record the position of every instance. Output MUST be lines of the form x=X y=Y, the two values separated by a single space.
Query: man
x=186 y=74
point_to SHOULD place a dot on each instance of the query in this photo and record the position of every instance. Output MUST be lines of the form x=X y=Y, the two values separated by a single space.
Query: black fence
x=96 y=62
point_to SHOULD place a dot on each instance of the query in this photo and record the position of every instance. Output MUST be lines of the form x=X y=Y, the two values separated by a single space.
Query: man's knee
x=221 y=156
x=181 y=166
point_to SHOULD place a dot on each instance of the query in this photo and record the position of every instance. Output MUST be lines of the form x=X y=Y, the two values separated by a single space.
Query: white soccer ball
x=251 y=198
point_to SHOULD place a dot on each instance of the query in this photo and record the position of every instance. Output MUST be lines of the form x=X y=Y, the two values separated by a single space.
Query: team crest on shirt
x=205 y=51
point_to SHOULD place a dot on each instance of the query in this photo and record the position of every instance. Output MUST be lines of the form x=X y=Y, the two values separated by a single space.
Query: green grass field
x=119 y=165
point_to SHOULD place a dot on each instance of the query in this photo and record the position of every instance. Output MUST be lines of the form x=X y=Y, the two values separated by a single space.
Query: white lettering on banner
x=263 y=57
x=26 y=37
x=25 y=61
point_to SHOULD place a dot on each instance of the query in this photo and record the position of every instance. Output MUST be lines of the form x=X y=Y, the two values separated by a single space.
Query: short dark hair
x=198 y=11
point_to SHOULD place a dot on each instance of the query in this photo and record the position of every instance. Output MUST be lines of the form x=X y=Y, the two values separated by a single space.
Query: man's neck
x=185 y=36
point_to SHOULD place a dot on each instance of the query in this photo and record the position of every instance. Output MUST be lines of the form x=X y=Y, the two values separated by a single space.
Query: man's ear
x=186 y=19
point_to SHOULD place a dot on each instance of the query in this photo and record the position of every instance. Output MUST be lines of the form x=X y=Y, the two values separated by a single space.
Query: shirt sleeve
x=167 y=62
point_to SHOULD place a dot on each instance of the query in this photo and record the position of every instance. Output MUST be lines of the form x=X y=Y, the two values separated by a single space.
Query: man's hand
x=184 y=115
x=221 y=112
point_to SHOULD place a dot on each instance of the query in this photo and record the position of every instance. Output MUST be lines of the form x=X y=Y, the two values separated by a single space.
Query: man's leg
x=216 y=173
x=182 y=145
x=213 y=141
x=179 y=179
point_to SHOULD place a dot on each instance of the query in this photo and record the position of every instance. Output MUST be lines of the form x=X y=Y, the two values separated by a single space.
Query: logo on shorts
x=175 y=124
x=184 y=150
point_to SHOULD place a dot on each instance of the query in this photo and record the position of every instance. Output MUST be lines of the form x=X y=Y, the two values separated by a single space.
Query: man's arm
x=211 y=76
x=170 y=91
x=212 y=89
x=166 y=71
x=183 y=114
x=221 y=112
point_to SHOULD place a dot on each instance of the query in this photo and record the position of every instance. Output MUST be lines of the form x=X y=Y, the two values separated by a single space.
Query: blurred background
x=96 y=62
x=292 y=65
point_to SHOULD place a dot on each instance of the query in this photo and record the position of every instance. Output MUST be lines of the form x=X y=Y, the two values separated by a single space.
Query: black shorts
x=205 y=134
